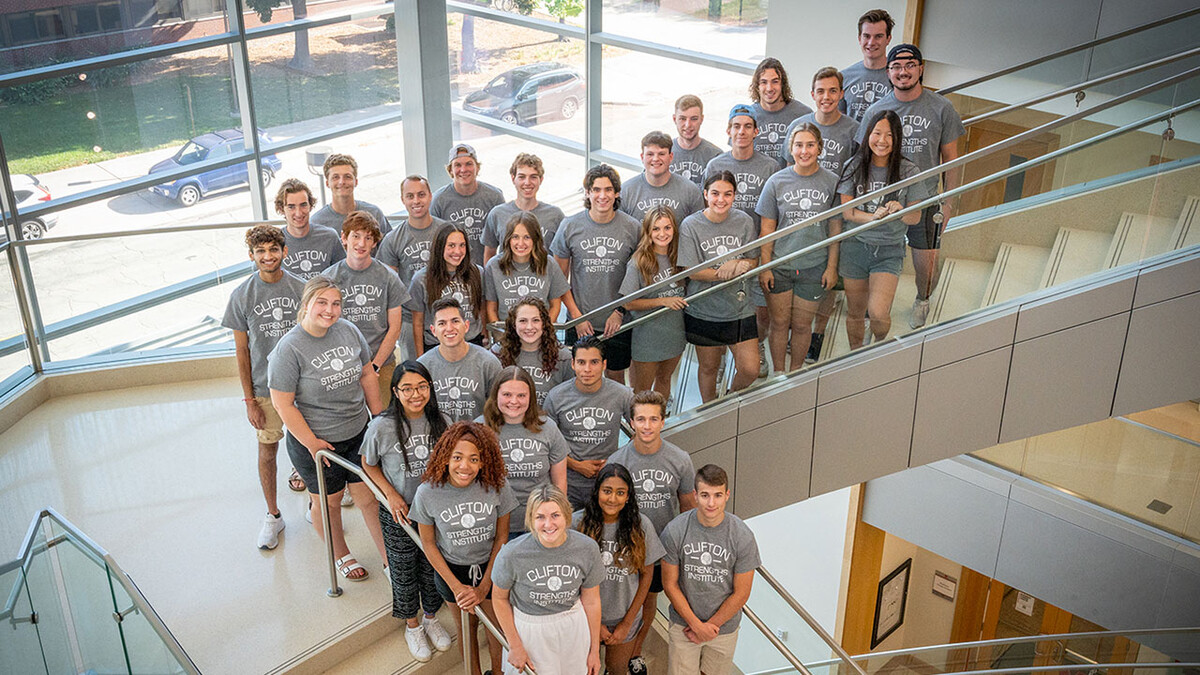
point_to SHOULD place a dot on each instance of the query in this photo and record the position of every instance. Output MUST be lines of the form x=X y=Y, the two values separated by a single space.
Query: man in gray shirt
x=774 y=108
x=931 y=131
x=527 y=172
x=588 y=411
x=690 y=153
x=657 y=185
x=707 y=574
x=467 y=201
x=406 y=248
x=341 y=177
x=867 y=81
x=462 y=372
x=311 y=248
x=260 y=311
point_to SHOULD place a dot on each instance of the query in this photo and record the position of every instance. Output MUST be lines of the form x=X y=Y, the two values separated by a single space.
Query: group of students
x=495 y=438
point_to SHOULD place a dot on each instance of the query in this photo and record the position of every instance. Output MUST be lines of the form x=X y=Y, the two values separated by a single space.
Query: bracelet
x=248 y=399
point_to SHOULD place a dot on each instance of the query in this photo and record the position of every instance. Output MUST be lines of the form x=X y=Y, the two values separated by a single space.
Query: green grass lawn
x=188 y=97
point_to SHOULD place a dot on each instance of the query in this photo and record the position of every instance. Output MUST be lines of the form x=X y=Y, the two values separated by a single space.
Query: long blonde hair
x=644 y=257
x=312 y=288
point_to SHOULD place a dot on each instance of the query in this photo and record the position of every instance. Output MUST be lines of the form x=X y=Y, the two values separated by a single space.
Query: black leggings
x=413 y=588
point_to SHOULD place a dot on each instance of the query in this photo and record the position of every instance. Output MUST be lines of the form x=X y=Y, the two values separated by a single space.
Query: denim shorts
x=859 y=261
x=926 y=234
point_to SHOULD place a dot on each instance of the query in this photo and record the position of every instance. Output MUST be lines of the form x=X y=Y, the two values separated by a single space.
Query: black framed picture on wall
x=890 y=601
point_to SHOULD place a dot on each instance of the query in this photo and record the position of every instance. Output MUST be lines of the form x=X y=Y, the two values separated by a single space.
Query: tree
x=301 y=58
x=563 y=9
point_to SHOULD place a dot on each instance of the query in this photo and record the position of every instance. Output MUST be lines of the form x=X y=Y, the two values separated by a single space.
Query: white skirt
x=557 y=644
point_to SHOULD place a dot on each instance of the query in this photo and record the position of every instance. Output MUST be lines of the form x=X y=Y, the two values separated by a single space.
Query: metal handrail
x=926 y=175
x=335 y=591
x=774 y=640
x=1092 y=668
x=843 y=656
x=845 y=234
x=101 y=557
x=1069 y=50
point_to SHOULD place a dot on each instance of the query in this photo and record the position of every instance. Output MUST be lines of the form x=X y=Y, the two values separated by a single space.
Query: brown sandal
x=295 y=482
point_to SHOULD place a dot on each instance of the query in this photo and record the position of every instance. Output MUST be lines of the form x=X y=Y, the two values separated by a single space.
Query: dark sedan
x=191 y=189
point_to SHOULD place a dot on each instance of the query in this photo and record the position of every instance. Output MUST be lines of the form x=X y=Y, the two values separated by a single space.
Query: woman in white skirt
x=546 y=591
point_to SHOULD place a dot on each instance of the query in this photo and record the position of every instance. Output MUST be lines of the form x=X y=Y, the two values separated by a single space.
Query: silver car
x=30 y=192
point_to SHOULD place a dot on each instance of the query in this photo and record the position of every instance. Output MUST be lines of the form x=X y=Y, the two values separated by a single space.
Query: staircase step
x=960 y=288
x=388 y=654
x=1138 y=237
x=1017 y=271
x=1187 y=228
x=1075 y=253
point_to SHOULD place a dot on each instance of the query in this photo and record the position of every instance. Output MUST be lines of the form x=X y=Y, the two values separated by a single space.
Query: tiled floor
x=164 y=477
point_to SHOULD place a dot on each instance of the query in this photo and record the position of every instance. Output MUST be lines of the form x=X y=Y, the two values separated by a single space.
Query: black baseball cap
x=904 y=51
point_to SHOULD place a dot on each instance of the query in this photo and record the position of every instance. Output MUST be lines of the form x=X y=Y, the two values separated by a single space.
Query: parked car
x=191 y=189
x=529 y=94
x=29 y=192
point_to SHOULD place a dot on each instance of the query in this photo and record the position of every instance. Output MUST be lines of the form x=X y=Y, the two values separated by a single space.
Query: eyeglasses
x=909 y=65
x=408 y=391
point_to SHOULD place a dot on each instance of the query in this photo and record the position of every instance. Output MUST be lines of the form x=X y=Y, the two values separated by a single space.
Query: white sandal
x=348 y=564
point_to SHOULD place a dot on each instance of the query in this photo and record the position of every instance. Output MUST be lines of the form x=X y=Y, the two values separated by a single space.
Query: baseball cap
x=904 y=51
x=743 y=109
x=461 y=148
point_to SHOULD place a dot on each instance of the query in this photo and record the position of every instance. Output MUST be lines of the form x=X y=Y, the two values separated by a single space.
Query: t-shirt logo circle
x=455 y=392
x=277 y=314
x=773 y=136
x=648 y=485
x=360 y=299
x=468 y=520
x=742 y=186
x=554 y=583
x=805 y=203
x=869 y=95
x=908 y=129
x=306 y=265
x=589 y=423
x=421 y=452
x=686 y=173
x=607 y=558
x=469 y=221
x=601 y=250
x=425 y=255
x=336 y=364
x=722 y=249
x=705 y=558
x=457 y=295
x=522 y=290
x=518 y=454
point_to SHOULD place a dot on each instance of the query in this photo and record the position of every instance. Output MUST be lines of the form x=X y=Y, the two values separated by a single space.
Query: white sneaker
x=417 y=646
x=436 y=633
x=920 y=312
x=268 y=536
x=347 y=500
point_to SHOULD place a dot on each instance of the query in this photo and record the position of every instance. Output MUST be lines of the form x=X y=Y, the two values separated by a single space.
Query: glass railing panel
x=148 y=653
x=755 y=653
x=47 y=599
x=20 y=644
x=14 y=358
x=1123 y=466
x=87 y=596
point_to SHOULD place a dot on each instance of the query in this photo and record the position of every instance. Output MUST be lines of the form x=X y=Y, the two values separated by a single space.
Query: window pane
x=562 y=184
x=85 y=20
x=14 y=355
x=732 y=28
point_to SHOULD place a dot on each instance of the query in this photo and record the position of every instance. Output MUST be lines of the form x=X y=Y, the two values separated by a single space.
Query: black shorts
x=463 y=574
x=618 y=349
x=704 y=333
x=926 y=234
x=656 y=583
x=336 y=477
x=477 y=340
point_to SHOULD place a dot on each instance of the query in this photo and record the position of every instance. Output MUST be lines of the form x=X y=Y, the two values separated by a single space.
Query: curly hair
x=491 y=462
x=510 y=342
x=771 y=63
x=491 y=408
x=631 y=540
x=264 y=234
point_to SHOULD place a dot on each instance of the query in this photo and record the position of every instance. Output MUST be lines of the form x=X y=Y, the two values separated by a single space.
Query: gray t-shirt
x=367 y=296
x=662 y=337
x=930 y=121
x=837 y=141
x=751 y=174
x=467 y=212
x=620 y=584
x=549 y=216
x=700 y=240
x=507 y=290
x=543 y=581
x=679 y=194
x=528 y=458
x=265 y=313
x=406 y=248
x=465 y=518
x=324 y=373
x=689 y=164
x=312 y=254
x=418 y=302
x=461 y=386
x=863 y=86
x=543 y=380
x=789 y=198
x=590 y=423
x=708 y=559
x=327 y=217
x=772 y=125
x=892 y=232
x=658 y=479
x=598 y=254
x=382 y=447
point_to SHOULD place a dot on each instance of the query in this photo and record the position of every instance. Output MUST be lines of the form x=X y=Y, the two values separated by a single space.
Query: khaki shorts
x=714 y=657
x=272 y=431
